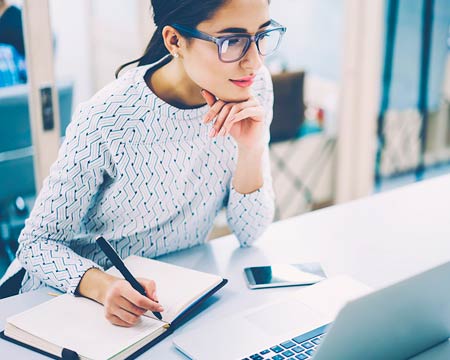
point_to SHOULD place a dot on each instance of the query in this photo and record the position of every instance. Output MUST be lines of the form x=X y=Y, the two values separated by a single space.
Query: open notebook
x=68 y=324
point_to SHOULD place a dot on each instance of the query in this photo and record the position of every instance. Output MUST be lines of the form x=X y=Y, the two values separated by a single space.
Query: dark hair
x=166 y=12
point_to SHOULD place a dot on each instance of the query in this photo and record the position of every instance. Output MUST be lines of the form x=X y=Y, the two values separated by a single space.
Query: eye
x=234 y=41
x=264 y=35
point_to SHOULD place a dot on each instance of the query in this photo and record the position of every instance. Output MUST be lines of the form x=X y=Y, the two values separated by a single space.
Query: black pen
x=118 y=263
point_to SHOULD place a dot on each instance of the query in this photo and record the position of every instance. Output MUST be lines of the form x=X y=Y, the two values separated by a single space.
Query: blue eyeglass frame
x=197 y=34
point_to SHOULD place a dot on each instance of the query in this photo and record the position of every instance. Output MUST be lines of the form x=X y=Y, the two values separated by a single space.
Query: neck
x=171 y=83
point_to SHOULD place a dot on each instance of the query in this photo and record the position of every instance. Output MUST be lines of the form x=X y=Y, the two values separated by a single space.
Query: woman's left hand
x=244 y=121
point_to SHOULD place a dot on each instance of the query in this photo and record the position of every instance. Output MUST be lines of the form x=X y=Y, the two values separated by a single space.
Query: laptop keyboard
x=298 y=348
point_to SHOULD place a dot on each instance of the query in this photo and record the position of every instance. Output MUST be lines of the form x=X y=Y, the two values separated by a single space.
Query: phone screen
x=285 y=274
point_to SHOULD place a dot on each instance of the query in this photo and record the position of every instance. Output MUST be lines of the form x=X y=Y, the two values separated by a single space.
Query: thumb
x=210 y=98
x=150 y=288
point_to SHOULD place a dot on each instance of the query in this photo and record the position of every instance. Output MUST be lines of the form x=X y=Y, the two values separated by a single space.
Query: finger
x=150 y=288
x=215 y=109
x=238 y=107
x=115 y=320
x=230 y=117
x=256 y=113
x=210 y=98
x=130 y=307
x=218 y=128
x=126 y=316
x=140 y=300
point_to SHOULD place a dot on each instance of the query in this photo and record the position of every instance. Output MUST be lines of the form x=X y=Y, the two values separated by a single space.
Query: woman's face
x=201 y=60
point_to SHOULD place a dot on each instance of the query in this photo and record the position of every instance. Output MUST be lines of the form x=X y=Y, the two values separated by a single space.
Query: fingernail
x=212 y=133
x=222 y=132
x=205 y=119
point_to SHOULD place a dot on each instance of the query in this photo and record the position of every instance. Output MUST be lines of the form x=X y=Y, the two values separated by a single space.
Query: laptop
x=396 y=322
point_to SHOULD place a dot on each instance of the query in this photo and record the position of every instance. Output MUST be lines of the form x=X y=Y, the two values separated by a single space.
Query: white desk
x=377 y=240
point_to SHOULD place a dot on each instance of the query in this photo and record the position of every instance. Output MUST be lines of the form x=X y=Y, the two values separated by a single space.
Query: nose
x=252 y=59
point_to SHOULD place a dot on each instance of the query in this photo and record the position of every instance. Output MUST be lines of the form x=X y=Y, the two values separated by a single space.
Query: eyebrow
x=242 y=30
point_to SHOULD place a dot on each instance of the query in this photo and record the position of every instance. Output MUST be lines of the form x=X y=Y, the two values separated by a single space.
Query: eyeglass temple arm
x=278 y=25
x=196 y=33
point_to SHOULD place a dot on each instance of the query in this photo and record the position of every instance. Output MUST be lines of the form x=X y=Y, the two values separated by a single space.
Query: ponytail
x=166 y=12
x=155 y=49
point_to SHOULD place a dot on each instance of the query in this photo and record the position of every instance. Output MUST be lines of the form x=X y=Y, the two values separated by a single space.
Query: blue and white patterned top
x=143 y=174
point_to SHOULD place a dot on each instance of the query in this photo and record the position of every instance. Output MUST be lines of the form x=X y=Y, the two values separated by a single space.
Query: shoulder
x=263 y=80
x=120 y=89
x=263 y=91
x=13 y=14
x=111 y=100
x=263 y=88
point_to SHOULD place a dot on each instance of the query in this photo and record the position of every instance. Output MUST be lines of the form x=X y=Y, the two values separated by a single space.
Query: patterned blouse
x=143 y=174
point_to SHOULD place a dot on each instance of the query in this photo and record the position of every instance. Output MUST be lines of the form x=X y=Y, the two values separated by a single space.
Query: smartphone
x=283 y=275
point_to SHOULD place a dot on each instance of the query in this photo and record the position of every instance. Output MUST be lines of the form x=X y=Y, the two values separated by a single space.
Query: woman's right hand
x=124 y=305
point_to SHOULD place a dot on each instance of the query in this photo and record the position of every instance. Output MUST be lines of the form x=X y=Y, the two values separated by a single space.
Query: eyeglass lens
x=233 y=48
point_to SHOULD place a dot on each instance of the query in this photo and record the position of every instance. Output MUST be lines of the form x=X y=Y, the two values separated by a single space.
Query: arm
x=250 y=206
x=74 y=179
x=248 y=176
x=45 y=245
x=123 y=304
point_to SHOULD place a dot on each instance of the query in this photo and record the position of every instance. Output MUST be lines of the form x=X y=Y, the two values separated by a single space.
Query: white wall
x=120 y=33
x=94 y=37
x=71 y=29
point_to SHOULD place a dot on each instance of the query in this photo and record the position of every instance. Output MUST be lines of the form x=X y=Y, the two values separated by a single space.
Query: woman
x=148 y=165
x=11 y=30
x=12 y=51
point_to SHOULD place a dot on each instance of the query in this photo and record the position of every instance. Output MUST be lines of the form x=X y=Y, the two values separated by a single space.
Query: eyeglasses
x=233 y=48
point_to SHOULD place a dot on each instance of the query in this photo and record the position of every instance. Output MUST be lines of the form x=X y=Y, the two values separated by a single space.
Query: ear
x=172 y=40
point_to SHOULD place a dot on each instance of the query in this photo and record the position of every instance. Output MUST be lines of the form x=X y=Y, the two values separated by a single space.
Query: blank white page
x=79 y=324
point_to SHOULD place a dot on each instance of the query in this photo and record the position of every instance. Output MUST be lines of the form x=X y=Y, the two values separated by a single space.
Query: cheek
x=208 y=72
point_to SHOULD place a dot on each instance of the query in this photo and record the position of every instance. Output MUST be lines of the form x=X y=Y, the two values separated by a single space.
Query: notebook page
x=176 y=286
x=79 y=324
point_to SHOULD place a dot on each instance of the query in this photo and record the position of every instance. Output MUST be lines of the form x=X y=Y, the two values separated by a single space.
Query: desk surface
x=378 y=240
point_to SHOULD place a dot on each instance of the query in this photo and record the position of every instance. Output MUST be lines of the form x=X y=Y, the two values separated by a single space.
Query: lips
x=243 y=81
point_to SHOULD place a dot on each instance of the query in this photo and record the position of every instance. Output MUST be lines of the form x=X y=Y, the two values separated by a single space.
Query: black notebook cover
x=180 y=320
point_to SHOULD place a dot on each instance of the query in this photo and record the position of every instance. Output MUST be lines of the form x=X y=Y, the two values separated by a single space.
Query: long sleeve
x=67 y=193
x=248 y=215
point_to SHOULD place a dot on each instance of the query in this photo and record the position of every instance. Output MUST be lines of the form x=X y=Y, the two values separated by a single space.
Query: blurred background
x=362 y=94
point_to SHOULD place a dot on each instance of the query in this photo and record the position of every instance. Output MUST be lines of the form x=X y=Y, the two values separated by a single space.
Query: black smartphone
x=278 y=275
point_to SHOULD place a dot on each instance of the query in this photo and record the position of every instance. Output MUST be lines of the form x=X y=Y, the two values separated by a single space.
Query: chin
x=238 y=95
